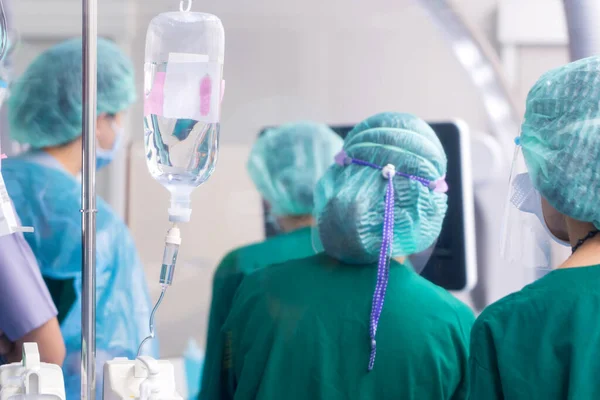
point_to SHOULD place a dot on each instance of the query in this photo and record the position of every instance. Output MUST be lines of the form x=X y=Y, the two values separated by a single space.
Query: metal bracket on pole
x=88 y=201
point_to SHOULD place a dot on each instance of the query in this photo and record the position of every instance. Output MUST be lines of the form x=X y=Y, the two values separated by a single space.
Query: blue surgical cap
x=560 y=138
x=286 y=163
x=45 y=106
x=349 y=200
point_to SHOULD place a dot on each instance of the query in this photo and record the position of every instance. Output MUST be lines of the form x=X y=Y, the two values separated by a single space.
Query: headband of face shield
x=530 y=224
x=388 y=173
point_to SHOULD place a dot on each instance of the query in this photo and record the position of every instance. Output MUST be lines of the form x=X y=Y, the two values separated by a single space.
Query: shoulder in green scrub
x=300 y=330
x=540 y=342
x=274 y=250
x=228 y=276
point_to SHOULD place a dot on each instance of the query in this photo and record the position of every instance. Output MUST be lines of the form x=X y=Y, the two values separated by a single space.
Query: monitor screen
x=450 y=262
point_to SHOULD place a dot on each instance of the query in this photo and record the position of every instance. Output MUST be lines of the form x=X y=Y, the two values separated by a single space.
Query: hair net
x=45 y=107
x=286 y=163
x=560 y=138
x=349 y=200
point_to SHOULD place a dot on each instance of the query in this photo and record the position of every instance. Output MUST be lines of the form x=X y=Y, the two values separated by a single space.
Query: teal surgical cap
x=349 y=200
x=45 y=107
x=560 y=138
x=286 y=163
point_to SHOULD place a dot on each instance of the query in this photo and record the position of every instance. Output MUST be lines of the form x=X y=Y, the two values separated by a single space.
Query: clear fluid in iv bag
x=179 y=152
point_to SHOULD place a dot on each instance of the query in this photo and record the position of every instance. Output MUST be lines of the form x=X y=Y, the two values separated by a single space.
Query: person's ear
x=556 y=222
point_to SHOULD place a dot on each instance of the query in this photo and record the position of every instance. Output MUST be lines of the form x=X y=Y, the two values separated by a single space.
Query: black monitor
x=451 y=262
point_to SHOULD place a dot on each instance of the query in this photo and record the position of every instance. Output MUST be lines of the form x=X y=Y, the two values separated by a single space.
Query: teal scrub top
x=541 y=342
x=300 y=330
x=228 y=276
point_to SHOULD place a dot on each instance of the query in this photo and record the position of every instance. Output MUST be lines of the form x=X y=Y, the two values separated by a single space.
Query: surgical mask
x=527 y=199
x=104 y=156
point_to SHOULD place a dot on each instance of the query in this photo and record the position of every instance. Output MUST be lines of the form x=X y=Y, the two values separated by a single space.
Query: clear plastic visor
x=525 y=240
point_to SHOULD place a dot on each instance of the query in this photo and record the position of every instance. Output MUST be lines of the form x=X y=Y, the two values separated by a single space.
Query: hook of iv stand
x=188 y=5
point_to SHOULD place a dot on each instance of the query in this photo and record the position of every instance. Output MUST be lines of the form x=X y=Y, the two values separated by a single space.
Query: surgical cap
x=286 y=163
x=560 y=138
x=349 y=200
x=45 y=107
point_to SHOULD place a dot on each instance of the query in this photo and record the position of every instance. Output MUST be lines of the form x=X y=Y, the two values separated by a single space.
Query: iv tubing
x=172 y=242
x=151 y=324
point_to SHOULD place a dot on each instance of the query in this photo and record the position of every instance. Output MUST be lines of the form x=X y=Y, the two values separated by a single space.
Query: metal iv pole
x=88 y=201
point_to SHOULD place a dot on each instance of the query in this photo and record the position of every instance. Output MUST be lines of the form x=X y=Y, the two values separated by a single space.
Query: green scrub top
x=541 y=342
x=228 y=276
x=300 y=330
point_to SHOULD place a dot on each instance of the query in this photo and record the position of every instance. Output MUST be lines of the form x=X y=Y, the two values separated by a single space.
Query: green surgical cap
x=349 y=200
x=286 y=163
x=45 y=107
x=560 y=138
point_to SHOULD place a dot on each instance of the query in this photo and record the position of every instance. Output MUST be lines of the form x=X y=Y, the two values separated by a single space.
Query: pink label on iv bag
x=222 y=94
x=205 y=94
x=153 y=104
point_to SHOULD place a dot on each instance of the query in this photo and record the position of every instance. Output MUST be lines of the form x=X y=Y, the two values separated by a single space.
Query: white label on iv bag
x=192 y=88
x=188 y=58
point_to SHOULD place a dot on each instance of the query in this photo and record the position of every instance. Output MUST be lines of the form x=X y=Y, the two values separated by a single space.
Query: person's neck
x=292 y=223
x=69 y=156
x=589 y=252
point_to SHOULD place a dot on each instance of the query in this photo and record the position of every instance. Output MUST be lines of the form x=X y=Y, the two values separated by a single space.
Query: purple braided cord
x=425 y=182
x=383 y=268
x=385 y=254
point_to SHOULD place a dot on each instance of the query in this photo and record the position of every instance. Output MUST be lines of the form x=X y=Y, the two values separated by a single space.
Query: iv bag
x=183 y=84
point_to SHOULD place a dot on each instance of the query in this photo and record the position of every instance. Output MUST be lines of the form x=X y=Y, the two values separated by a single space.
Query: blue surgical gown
x=49 y=199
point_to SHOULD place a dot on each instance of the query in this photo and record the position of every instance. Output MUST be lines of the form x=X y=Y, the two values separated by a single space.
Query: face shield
x=527 y=238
